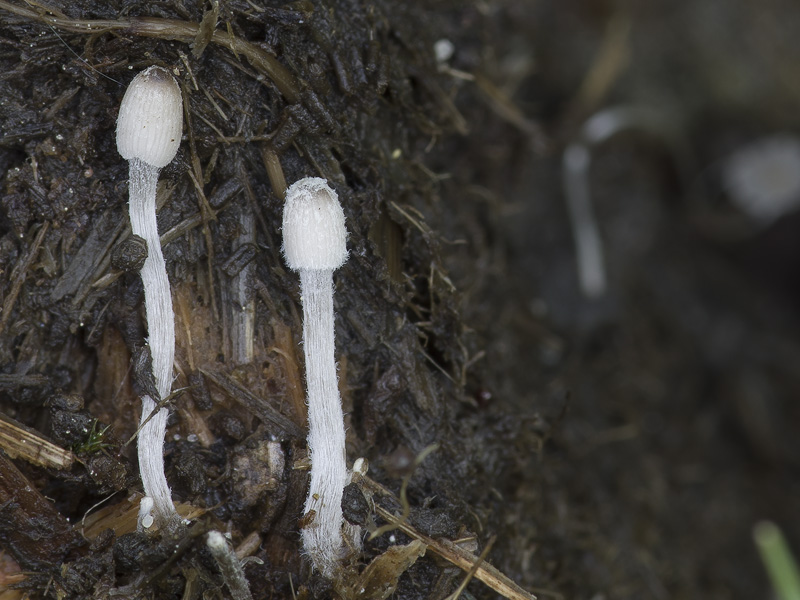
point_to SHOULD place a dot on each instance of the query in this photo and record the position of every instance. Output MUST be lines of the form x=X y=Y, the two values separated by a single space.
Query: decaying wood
x=19 y=441
x=122 y=517
x=31 y=527
x=19 y=274
x=379 y=579
x=258 y=406
x=91 y=254
x=286 y=349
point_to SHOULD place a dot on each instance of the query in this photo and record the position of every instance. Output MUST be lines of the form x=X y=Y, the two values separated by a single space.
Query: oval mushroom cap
x=150 y=118
x=314 y=236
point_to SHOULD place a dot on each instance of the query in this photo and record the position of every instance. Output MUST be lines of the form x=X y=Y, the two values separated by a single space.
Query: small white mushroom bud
x=314 y=244
x=148 y=135
x=145 y=519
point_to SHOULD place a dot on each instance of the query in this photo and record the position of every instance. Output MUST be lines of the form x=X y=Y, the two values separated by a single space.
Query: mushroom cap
x=150 y=118
x=314 y=235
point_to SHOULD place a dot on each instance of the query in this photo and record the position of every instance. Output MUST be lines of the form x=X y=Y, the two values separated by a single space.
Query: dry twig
x=451 y=552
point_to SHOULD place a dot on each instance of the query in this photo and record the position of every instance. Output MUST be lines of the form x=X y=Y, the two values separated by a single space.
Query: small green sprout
x=94 y=441
x=781 y=566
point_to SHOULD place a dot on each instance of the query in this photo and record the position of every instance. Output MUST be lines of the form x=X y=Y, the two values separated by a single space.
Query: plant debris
x=620 y=446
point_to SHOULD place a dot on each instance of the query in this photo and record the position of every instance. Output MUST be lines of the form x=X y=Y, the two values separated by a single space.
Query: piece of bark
x=31 y=529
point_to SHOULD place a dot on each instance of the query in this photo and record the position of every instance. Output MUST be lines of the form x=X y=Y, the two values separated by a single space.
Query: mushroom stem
x=322 y=538
x=315 y=245
x=161 y=336
x=229 y=565
x=148 y=135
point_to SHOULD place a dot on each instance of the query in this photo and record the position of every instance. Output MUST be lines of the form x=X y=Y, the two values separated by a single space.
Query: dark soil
x=619 y=447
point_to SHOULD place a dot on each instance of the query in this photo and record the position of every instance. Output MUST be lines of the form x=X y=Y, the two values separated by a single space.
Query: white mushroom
x=314 y=244
x=148 y=135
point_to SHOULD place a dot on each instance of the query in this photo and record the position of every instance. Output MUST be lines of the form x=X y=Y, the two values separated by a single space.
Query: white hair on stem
x=314 y=244
x=229 y=565
x=148 y=135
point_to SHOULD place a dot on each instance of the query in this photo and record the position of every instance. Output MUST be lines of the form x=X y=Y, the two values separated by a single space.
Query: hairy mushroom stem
x=161 y=337
x=322 y=538
x=314 y=243
x=229 y=565
x=148 y=135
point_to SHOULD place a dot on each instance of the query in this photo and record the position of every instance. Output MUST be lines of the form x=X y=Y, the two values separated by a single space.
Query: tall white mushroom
x=148 y=135
x=314 y=244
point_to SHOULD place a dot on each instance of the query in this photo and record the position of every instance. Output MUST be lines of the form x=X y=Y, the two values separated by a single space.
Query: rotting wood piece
x=31 y=528
x=261 y=408
x=121 y=517
x=19 y=274
x=285 y=347
x=13 y=382
x=19 y=441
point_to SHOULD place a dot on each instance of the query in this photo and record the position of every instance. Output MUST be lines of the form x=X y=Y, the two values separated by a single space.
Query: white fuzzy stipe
x=229 y=565
x=150 y=446
x=161 y=338
x=588 y=243
x=322 y=537
x=150 y=118
x=314 y=235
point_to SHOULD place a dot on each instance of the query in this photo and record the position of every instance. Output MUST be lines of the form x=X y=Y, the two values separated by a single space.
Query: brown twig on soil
x=159 y=405
x=608 y=64
x=463 y=585
x=462 y=559
x=451 y=552
x=258 y=406
x=170 y=29
x=285 y=348
x=249 y=545
x=404 y=503
x=20 y=272
x=207 y=214
x=505 y=108
x=19 y=441
x=274 y=170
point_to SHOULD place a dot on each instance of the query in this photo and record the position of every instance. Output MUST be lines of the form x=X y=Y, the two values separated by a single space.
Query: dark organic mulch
x=616 y=448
